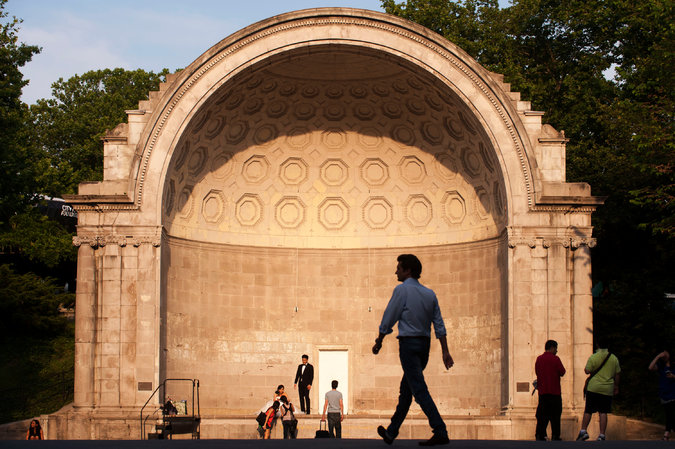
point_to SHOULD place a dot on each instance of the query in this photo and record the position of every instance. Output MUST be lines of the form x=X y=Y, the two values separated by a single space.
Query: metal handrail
x=195 y=384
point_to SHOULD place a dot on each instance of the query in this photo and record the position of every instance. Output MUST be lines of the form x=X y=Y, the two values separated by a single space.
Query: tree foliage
x=46 y=150
x=15 y=176
x=68 y=128
x=29 y=305
x=602 y=70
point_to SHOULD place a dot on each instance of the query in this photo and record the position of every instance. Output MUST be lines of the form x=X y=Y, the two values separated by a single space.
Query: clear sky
x=81 y=35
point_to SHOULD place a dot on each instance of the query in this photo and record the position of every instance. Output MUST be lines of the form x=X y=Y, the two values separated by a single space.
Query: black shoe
x=381 y=431
x=435 y=440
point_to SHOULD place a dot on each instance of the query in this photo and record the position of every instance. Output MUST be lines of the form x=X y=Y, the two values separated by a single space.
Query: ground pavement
x=326 y=444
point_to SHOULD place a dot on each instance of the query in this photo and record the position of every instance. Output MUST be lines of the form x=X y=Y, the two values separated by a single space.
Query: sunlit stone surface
x=252 y=211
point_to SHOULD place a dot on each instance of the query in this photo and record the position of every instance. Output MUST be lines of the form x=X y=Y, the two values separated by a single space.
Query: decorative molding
x=578 y=242
x=572 y=238
x=565 y=208
x=102 y=238
x=547 y=242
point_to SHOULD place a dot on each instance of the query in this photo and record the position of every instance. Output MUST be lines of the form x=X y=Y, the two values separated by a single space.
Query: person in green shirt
x=602 y=386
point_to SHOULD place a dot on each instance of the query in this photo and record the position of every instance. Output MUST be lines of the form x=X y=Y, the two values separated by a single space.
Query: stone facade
x=252 y=210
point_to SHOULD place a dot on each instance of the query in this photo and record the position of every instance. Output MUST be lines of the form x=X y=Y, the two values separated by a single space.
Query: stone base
x=125 y=424
x=69 y=423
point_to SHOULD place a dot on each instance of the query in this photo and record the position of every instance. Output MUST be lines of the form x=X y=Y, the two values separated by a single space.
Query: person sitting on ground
x=35 y=431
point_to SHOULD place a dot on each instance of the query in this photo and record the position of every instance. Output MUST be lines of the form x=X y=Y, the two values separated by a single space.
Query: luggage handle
x=320 y=427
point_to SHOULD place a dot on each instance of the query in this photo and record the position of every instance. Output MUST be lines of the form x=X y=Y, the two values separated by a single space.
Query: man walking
x=549 y=370
x=333 y=405
x=303 y=382
x=414 y=307
x=603 y=370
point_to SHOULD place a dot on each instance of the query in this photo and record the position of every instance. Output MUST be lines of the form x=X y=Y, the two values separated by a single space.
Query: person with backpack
x=602 y=384
x=288 y=419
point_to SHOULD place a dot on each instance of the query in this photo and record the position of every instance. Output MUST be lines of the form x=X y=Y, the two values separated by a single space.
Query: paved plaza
x=324 y=444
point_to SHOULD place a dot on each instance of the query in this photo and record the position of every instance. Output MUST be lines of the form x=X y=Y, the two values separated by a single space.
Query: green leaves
x=39 y=239
x=29 y=305
x=602 y=70
x=14 y=176
x=68 y=128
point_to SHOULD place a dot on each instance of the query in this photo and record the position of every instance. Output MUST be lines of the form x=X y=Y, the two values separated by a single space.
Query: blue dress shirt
x=415 y=307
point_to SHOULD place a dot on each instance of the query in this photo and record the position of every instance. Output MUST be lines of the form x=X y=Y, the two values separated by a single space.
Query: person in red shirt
x=549 y=370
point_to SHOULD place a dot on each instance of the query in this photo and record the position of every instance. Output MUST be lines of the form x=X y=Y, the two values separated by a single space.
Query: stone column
x=85 y=325
x=582 y=306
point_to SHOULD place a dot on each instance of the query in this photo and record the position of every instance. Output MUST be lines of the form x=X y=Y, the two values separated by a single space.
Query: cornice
x=101 y=203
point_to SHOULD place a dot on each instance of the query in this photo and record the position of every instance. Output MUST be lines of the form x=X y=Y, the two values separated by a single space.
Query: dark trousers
x=304 y=398
x=549 y=409
x=669 y=408
x=414 y=355
x=334 y=425
x=290 y=429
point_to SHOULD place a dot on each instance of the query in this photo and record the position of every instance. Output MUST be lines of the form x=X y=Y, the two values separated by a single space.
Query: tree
x=68 y=128
x=21 y=227
x=561 y=55
x=36 y=345
x=15 y=176
x=61 y=148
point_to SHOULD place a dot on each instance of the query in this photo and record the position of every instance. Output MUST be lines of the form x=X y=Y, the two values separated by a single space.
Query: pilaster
x=549 y=299
x=117 y=325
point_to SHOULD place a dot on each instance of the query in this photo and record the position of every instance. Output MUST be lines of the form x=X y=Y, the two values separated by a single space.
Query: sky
x=77 y=36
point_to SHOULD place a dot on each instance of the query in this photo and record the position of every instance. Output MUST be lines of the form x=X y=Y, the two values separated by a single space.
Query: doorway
x=334 y=365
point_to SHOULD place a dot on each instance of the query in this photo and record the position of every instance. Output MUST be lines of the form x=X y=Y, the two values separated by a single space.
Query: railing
x=193 y=419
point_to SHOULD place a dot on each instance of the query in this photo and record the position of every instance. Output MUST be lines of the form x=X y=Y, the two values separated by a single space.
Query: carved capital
x=590 y=242
x=516 y=241
x=91 y=240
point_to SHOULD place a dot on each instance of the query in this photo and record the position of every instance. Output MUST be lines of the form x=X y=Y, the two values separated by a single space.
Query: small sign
x=144 y=386
x=522 y=387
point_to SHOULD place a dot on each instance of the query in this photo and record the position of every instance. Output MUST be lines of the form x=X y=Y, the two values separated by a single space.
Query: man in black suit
x=303 y=381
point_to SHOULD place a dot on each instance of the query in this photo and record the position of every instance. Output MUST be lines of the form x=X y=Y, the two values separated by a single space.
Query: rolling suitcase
x=322 y=433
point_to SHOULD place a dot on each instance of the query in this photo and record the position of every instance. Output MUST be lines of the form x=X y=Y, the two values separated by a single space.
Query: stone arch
x=482 y=92
x=297 y=161
x=269 y=185
x=362 y=125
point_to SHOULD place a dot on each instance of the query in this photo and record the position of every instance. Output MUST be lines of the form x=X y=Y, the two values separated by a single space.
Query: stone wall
x=238 y=318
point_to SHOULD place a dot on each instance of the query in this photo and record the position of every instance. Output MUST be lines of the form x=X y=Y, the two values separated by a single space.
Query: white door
x=333 y=365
